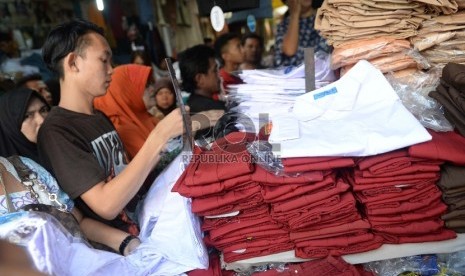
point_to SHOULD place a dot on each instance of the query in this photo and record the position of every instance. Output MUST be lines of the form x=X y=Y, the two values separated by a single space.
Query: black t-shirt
x=199 y=103
x=81 y=151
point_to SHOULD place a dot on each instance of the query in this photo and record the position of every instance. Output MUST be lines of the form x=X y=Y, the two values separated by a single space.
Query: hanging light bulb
x=100 y=6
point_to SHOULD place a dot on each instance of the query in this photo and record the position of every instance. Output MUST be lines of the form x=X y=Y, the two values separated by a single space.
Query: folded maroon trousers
x=267 y=178
x=235 y=226
x=326 y=214
x=338 y=241
x=233 y=200
x=411 y=228
x=330 y=230
x=306 y=164
x=365 y=163
x=430 y=212
x=319 y=252
x=212 y=167
x=446 y=146
x=412 y=169
x=251 y=252
x=310 y=198
x=443 y=234
x=422 y=200
x=214 y=188
x=286 y=191
x=393 y=193
x=259 y=211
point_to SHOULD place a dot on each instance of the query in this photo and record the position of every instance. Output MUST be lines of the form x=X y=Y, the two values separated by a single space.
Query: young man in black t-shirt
x=78 y=144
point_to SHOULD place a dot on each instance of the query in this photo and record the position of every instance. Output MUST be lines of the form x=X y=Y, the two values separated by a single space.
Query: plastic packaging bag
x=424 y=265
x=168 y=226
x=413 y=91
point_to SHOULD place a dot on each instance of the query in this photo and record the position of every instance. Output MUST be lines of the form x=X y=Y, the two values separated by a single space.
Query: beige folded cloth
x=391 y=5
x=391 y=63
x=352 y=51
x=453 y=19
x=452 y=5
x=423 y=42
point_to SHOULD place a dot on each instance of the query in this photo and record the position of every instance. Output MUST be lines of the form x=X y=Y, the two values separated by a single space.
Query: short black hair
x=253 y=36
x=33 y=77
x=64 y=39
x=221 y=42
x=193 y=61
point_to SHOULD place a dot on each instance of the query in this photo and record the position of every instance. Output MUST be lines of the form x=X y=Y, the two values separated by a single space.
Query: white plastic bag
x=169 y=226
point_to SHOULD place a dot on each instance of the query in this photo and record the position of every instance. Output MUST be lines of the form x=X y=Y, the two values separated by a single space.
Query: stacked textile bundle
x=448 y=147
x=449 y=93
x=441 y=38
x=350 y=25
x=249 y=212
x=273 y=91
x=323 y=220
x=385 y=53
x=400 y=198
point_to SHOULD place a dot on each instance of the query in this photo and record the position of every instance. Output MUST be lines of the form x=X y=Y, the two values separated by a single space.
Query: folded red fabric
x=320 y=252
x=253 y=213
x=412 y=169
x=446 y=146
x=212 y=167
x=214 y=188
x=247 y=253
x=311 y=198
x=260 y=234
x=286 y=216
x=330 y=230
x=329 y=266
x=306 y=164
x=233 y=200
x=338 y=241
x=370 y=161
x=220 y=232
x=430 y=212
x=443 y=234
x=424 y=199
x=267 y=178
x=389 y=194
x=406 y=178
x=326 y=214
x=411 y=227
x=286 y=191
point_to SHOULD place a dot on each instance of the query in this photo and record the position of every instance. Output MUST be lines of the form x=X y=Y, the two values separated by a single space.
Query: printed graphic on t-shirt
x=108 y=149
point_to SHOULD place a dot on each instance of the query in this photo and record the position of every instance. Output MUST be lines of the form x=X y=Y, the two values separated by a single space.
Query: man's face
x=252 y=50
x=94 y=66
x=210 y=82
x=234 y=51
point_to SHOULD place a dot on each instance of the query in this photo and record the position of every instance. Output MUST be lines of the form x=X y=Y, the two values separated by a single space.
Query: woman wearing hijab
x=165 y=98
x=22 y=112
x=124 y=105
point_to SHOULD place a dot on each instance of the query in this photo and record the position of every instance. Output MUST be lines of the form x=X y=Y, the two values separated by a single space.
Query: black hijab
x=13 y=107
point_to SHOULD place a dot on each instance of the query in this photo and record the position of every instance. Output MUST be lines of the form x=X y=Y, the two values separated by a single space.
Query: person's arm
x=108 y=199
x=291 y=38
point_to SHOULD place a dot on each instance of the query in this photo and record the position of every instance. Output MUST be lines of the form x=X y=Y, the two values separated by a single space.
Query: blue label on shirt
x=325 y=93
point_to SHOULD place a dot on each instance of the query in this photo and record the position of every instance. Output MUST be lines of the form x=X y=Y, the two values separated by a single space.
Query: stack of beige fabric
x=442 y=39
x=379 y=31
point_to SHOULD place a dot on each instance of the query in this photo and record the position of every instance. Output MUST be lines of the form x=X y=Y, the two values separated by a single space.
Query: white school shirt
x=358 y=115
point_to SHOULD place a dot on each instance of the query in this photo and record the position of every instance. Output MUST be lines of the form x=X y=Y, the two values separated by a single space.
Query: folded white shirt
x=358 y=115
